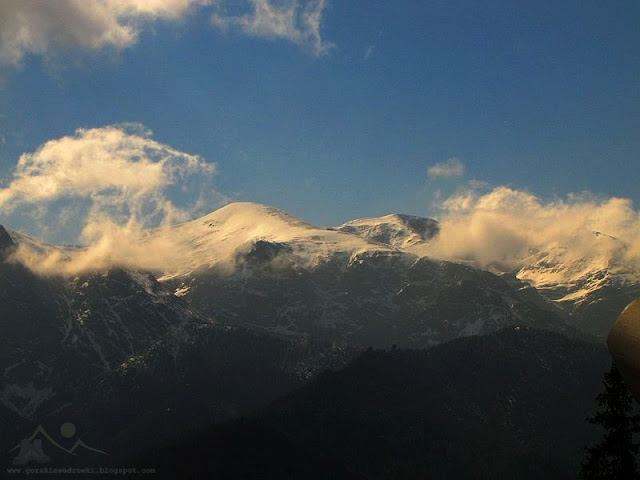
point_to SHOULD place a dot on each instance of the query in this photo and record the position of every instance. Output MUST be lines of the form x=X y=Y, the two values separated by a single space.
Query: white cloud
x=108 y=164
x=504 y=226
x=52 y=27
x=452 y=167
x=292 y=20
x=43 y=27
x=111 y=183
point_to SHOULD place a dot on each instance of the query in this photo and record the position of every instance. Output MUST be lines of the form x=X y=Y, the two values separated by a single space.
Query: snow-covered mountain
x=593 y=290
x=400 y=231
x=115 y=348
x=255 y=266
x=252 y=297
x=234 y=230
x=590 y=288
x=260 y=268
x=252 y=265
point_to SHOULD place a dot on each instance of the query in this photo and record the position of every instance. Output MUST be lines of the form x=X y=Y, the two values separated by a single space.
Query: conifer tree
x=614 y=456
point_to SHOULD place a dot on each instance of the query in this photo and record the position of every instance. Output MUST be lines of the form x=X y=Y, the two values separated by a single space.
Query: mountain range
x=253 y=304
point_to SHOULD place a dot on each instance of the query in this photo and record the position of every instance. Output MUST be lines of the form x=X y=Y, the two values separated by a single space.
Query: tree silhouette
x=614 y=457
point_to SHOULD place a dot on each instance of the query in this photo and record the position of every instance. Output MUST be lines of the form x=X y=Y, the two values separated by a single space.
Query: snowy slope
x=256 y=266
x=400 y=231
x=566 y=277
x=592 y=289
x=302 y=266
x=219 y=236
x=591 y=285
x=37 y=246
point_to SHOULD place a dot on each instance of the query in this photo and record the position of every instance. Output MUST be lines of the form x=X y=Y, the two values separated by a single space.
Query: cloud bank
x=452 y=167
x=111 y=183
x=505 y=227
x=44 y=27
x=292 y=20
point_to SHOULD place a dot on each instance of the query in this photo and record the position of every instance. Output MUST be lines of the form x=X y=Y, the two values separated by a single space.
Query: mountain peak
x=396 y=229
x=243 y=207
x=250 y=213
x=240 y=226
x=248 y=220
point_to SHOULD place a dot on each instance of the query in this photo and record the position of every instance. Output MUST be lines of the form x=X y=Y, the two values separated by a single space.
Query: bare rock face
x=624 y=346
x=6 y=243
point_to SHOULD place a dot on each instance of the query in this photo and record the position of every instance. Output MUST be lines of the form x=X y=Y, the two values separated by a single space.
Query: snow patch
x=182 y=290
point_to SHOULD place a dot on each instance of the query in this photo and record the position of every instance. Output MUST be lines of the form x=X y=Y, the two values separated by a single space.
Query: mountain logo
x=30 y=449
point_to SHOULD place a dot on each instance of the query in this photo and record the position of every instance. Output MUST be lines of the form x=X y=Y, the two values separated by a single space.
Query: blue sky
x=346 y=120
